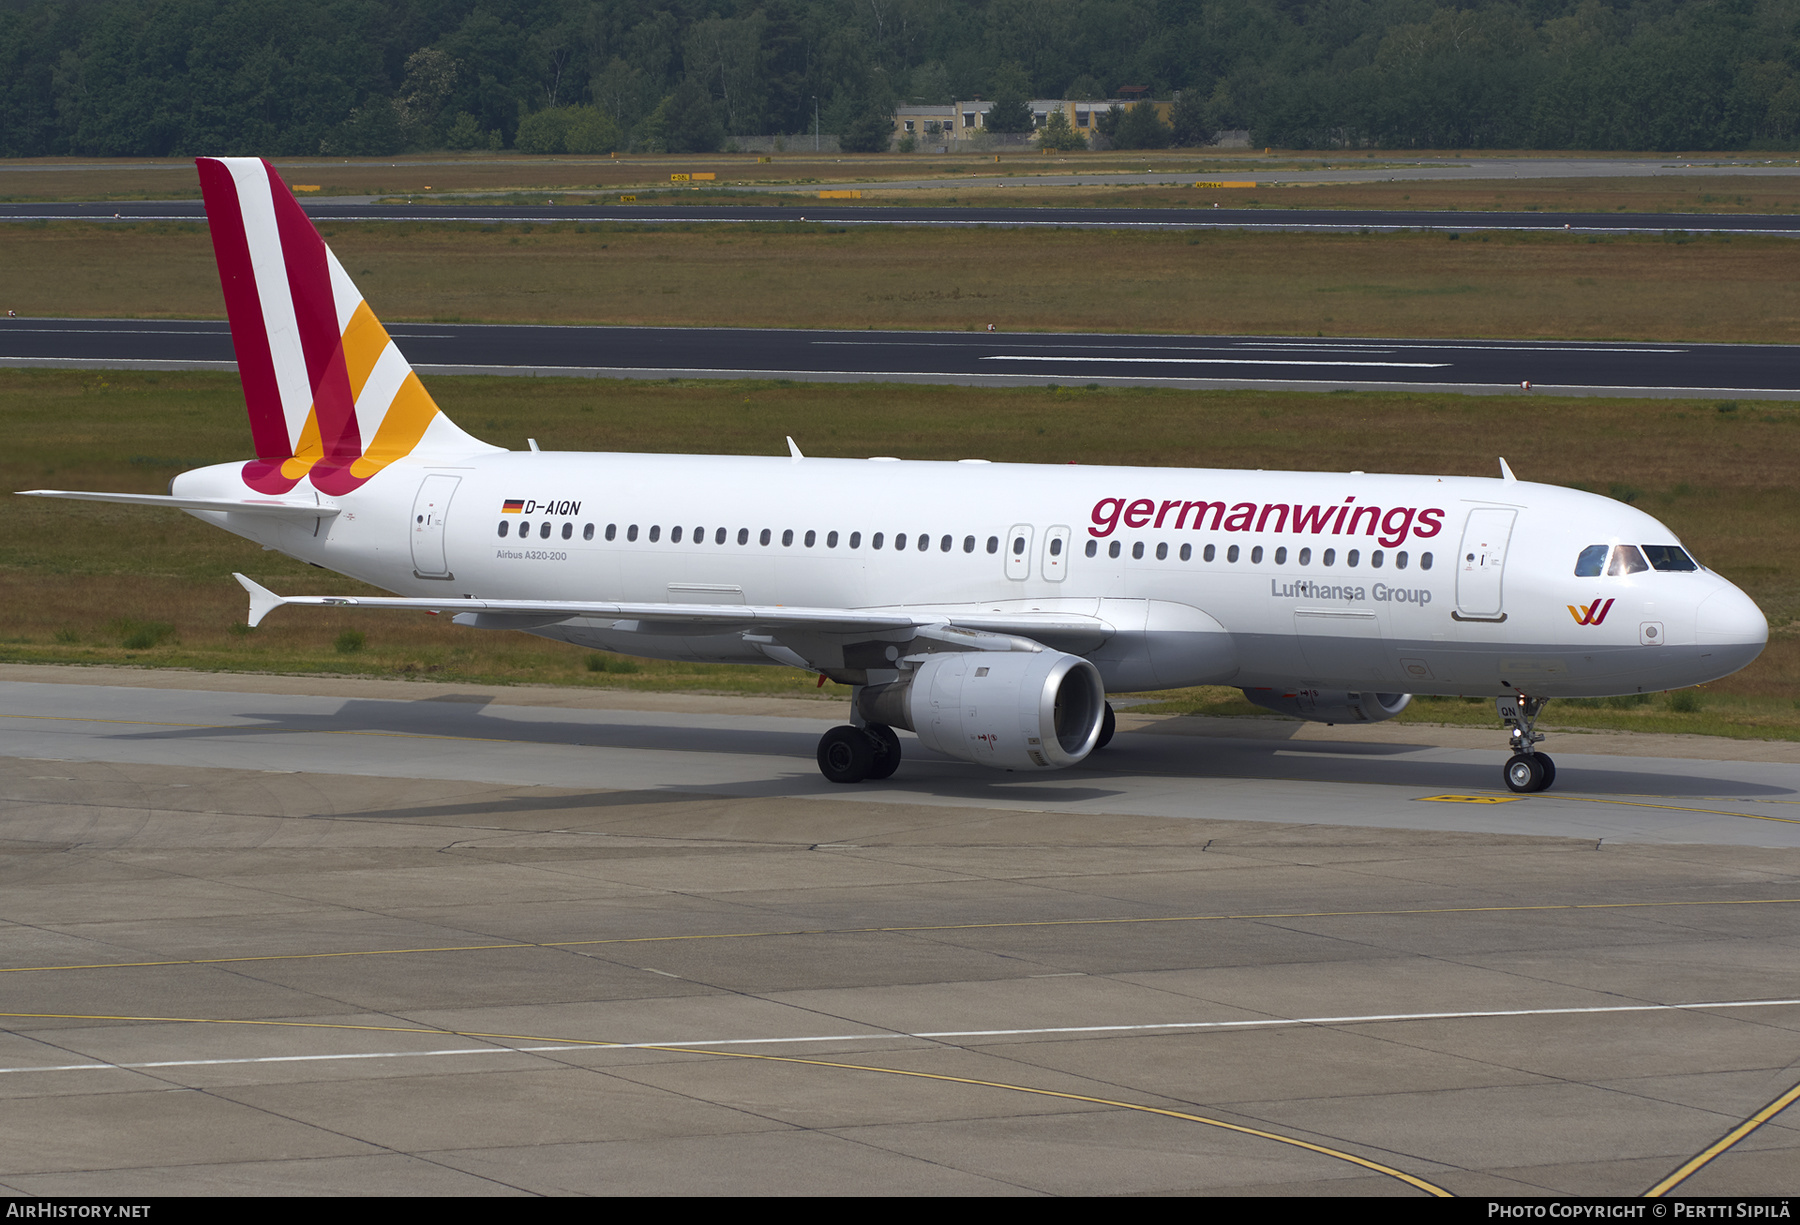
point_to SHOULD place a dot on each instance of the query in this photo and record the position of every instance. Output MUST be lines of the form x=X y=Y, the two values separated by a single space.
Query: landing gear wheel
x=846 y=755
x=1543 y=759
x=1109 y=724
x=887 y=756
x=1524 y=773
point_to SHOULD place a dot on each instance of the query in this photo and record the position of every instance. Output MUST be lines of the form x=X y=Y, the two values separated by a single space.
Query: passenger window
x=1667 y=557
x=1187 y=552
x=743 y=535
x=1208 y=553
x=587 y=533
x=994 y=545
x=969 y=546
x=1281 y=556
x=1375 y=559
x=674 y=535
x=1400 y=560
x=1591 y=562
x=699 y=535
x=504 y=527
x=1256 y=556
x=612 y=531
x=1018 y=546
x=655 y=532
x=1162 y=550
x=925 y=542
x=568 y=530
x=719 y=536
x=1093 y=547
x=1351 y=558
x=631 y=532
x=875 y=541
x=1330 y=557
x=544 y=531
x=1305 y=557
x=1137 y=551
x=1424 y=561
x=944 y=545
x=1626 y=560
x=899 y=542
x=787 y=538
x=831 y=540
x=1112 y=550
x=856 y=540
x=765 y=537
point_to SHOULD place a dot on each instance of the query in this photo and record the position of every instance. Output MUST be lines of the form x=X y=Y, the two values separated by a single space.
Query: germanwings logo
x=331 y=399
x=1590 y=614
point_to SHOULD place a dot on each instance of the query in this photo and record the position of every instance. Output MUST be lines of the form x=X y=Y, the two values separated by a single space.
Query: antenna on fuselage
x=1506 y=473
x=794 y=450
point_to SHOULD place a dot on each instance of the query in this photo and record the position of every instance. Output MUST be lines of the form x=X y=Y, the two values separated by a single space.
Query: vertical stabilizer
x=331 y=399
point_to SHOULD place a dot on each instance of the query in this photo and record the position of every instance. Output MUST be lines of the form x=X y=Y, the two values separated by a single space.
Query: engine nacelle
x=1012 y=710
x=1323 y=706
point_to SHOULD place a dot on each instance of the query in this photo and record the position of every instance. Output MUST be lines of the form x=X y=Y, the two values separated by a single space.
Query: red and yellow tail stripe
x=331 y=399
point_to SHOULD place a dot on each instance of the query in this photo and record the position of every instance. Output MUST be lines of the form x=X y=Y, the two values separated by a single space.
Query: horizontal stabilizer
x=292 y=508
x=725 y=618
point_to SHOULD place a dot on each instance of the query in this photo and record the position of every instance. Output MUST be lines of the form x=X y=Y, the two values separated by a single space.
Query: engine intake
x=1011 y=710
x=1324 y=706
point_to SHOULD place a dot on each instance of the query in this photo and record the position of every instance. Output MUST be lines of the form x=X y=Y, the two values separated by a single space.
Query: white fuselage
x=1326 y=581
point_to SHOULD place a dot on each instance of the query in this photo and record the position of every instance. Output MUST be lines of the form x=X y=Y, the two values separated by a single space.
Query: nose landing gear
x=1527 y=770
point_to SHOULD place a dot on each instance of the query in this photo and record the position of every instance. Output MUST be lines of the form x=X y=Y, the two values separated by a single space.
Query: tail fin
x=331 y=399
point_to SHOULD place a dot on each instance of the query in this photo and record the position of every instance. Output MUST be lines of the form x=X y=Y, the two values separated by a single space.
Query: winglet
x=1506 y=473
x=262 y=600
x=794 y=450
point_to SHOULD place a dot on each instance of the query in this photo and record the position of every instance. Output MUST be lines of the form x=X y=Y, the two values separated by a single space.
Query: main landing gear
x=851 y=754
x=1527 y=769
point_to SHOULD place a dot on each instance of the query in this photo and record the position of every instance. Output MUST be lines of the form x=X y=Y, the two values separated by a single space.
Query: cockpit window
x=1668 y=557
x=1626 y=560
x=1591 y=562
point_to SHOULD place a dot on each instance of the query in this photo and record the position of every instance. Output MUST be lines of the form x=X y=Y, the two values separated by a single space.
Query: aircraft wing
x=297 y=508
x=725 y=618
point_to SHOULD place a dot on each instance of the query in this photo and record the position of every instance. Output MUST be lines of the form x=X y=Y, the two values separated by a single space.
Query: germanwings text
x=1392 y=526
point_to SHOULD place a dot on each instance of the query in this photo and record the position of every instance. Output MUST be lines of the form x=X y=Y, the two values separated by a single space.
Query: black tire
x=1523 y=773
x=846 y=755
x=1543 y=759
x=887 y=754
x=1109 y=724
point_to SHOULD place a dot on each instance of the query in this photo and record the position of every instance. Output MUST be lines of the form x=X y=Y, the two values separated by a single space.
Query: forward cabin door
x=1481 y=564
x=430 y=510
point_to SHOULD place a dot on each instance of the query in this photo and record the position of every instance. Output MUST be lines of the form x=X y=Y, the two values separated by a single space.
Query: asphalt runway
x=313 y=935
x=490 y=212
x=979 y=358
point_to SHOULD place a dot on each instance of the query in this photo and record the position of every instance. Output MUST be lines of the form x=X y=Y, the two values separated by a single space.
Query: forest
x=369 y=77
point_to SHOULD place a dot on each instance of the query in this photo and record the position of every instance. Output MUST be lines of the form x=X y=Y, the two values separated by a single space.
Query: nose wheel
x=1527 y=770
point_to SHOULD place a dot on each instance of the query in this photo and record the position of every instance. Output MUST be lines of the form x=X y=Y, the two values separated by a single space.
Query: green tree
x=1141 y=128
x=1058 y=135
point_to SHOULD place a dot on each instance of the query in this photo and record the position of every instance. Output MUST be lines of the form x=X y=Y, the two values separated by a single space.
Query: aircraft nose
x=1729 y=618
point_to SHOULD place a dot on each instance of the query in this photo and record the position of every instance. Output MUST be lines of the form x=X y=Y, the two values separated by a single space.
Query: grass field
x=102 y=584
x=1502 y=285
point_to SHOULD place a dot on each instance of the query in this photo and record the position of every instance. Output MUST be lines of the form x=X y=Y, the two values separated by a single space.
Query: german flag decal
x=513 y=506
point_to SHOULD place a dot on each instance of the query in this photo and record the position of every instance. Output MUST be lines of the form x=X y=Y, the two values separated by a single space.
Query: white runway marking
x=933 y=1035
x=1217 y=361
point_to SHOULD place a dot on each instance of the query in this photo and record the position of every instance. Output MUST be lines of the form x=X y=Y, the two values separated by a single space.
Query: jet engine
x=1012 y=710
x=1323 y=706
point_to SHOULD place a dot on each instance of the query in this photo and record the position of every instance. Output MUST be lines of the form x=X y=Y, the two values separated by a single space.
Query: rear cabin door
x=430 y=510
x=1018 y=552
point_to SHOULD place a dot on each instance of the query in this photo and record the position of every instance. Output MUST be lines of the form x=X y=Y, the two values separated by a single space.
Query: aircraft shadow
x=1131 y=756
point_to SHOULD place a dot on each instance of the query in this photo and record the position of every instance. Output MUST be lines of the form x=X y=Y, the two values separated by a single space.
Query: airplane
x=987 y=608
